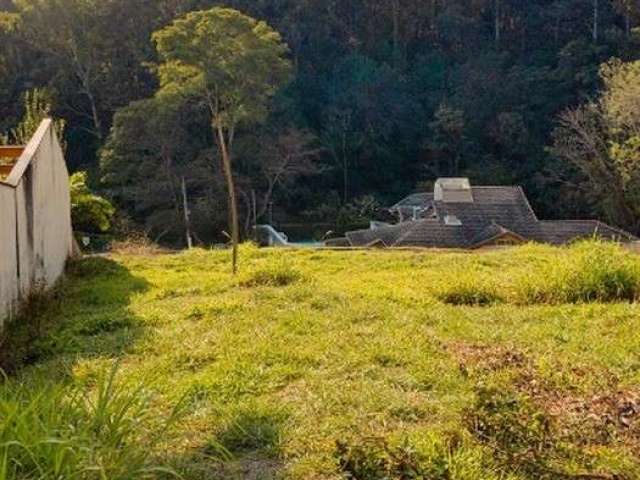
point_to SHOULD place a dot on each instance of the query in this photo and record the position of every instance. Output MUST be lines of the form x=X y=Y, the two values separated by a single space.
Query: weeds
x=78 y=432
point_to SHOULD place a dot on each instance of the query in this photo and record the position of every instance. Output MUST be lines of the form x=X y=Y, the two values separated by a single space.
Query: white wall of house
x=36 y=238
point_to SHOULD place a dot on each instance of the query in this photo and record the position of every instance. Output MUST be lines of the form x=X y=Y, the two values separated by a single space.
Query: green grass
x=513 y=364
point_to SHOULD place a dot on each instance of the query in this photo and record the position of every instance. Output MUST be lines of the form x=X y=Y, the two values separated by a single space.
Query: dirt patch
x=610 y=416
x=488 y=358
x=254 y=468
x=603 y=418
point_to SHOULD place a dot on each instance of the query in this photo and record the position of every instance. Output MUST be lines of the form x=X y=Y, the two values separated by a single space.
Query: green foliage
x=231 y=61
x=356 y=214
x=153 y=145
x=89 y=212
x=372 y=91
x=88 y=432
x=234 y=65
x=378 y=461
x=600 y=139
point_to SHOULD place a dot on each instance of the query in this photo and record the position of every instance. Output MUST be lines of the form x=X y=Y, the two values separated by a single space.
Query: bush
x=89 y=212
x=77 y=432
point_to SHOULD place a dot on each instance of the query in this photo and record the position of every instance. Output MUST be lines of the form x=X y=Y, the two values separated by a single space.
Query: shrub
x=77 y=432
x=89 y=212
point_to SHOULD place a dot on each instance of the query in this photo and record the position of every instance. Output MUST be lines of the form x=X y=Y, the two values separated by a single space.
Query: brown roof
x=565 y=231
x=495 y=212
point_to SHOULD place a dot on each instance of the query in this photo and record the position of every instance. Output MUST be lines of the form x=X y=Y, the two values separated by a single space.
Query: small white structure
x=36 y=237
x=453 y=190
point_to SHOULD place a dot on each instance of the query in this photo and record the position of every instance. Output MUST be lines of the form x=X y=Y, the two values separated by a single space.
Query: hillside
x=513 y=364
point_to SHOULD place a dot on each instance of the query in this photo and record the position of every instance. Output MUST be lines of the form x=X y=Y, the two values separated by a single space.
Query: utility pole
x=187 y=214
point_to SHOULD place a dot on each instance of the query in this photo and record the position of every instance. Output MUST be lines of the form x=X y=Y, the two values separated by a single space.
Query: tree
x=154 y=144
x=291 y=156
x=234 y=64
x=447 y=141
x=72 y=41
x=601 y=139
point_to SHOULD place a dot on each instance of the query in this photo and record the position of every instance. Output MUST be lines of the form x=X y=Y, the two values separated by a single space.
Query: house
x=459 y=215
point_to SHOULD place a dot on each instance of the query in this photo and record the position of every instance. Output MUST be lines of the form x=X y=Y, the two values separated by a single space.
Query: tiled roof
x=495 y=211
x=389 y=235
x=499 y=195
x=561 y=232
x=490 y=233
x=431 y=233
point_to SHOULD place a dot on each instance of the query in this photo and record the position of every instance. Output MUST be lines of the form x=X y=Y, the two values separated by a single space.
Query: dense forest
x=384 y=97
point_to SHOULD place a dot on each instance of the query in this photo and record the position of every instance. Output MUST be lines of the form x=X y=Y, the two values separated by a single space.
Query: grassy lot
x=514 y=364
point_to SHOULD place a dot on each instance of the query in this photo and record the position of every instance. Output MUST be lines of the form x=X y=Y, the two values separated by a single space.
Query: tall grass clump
x=277 y=274
x=55 y=432
x=468 y=288
x=588 y=271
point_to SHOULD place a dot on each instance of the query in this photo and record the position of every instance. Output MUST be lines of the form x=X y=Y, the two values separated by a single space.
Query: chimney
x=453 y=190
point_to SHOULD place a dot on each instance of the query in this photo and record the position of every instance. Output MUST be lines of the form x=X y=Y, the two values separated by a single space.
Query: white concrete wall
x=36 y=237
x=8 y=254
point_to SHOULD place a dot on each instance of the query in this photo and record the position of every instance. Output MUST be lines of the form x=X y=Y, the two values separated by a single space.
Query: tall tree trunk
x=596 y=19
x=231 y=190
x=627 y=21
x=498 y=25
x=97 y=124
x=187 y=214
x=396 y=33
x=345 y=170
